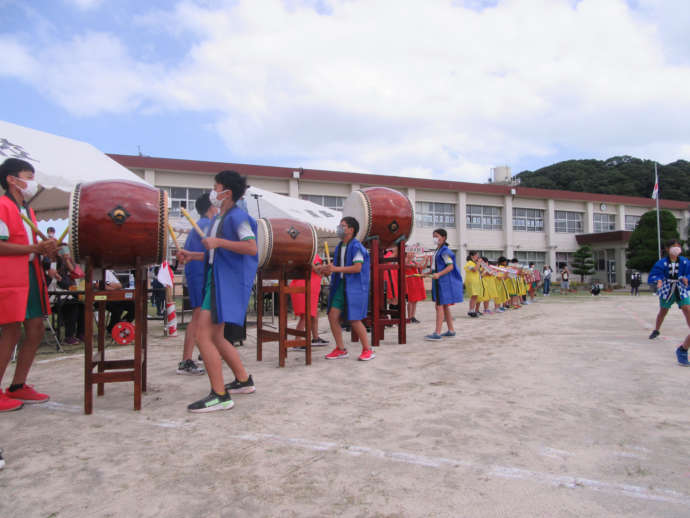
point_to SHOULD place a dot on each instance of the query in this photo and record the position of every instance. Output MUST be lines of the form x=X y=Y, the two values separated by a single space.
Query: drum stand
x=378 y=316
x=119 y=370
x=283 y=290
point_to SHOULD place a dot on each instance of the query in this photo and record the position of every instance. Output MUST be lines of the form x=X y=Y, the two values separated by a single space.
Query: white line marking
x=73 y=409
x=60 y=358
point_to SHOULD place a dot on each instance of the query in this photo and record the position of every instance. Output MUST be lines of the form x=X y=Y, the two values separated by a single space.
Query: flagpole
x=658 y=224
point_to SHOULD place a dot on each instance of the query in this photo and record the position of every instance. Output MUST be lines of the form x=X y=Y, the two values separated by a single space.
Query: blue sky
x=438 y=89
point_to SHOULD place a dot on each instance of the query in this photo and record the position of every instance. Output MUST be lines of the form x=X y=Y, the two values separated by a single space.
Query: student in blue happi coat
x=670 y=275
x=348 y=297
x=231 y=261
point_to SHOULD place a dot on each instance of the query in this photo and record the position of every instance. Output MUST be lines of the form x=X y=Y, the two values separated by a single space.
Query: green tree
x=583 y=262
x=642 y=249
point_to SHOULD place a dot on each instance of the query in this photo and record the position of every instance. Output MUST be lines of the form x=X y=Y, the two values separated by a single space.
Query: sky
x=442 y=89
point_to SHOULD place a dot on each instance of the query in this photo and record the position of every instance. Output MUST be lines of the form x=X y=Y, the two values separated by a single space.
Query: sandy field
x=563 y=408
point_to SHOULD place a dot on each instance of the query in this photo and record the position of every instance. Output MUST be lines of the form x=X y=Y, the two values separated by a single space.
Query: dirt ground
x=563 y=408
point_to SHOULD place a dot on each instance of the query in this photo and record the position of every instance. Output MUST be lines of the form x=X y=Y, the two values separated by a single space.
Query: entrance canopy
x=60 y=163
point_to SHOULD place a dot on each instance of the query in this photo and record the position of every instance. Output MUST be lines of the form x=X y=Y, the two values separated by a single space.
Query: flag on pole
x=165 y=277
x=165 y=274
x=655 y=193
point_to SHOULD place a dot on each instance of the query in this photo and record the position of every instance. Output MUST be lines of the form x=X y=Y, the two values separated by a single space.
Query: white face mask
x=675 y=251
x=436 y=241
x=30 y=190
x=213 y=198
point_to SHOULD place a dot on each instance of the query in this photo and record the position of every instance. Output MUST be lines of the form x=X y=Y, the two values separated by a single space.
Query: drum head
x=357 y=206
x=264 y=240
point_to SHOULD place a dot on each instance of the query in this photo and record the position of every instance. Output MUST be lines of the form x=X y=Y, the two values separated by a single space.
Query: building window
x=631 y=222
x=604 y=222
x=491 y=255
x=183 y=197
x=484 y=217
x=538 y=258
x=528 y=220
x=564 y=257
x=566 y=221
x=331 y=202
x=431 y=214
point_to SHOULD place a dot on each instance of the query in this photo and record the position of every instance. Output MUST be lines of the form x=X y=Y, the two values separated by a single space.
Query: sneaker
x=473 y=314
x=682 y=355
x=413 y=320
x=211 y=403
x=71 y=340
x=27 y=394
x=448 y=334
x=189 y=368
x=7 y=404
x=337 y=354
x=366 y=355
x=501 y=310
x=241 y=387
x=654 y=334
x=319 y=342
x=433 y=337
x=2 y=461
x=488 y=312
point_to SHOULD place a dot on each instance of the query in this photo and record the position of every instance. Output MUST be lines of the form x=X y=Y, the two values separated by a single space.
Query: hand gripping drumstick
x=196 y=227
x=34 y=227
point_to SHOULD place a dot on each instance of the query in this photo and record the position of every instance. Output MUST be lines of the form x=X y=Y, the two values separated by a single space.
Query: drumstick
x=196 y=227
x=328 y=255
x=62 y=236
x=34 y=227
x=174 y=237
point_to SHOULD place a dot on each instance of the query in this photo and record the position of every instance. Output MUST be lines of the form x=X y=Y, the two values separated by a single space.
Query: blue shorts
x=195 y=290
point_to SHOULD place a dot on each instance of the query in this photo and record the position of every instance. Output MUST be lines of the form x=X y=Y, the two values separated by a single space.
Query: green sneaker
x=211 y=403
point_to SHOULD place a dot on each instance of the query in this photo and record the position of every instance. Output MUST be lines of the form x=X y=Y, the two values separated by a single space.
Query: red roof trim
x=174 y=164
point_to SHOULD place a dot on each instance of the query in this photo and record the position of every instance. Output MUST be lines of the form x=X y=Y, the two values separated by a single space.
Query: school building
x=539 y=225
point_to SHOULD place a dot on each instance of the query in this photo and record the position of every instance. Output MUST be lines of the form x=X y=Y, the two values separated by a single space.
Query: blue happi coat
x=356 y=284
x=233 y=273
x=447 y=289
x=660 y=272
x=194 y=270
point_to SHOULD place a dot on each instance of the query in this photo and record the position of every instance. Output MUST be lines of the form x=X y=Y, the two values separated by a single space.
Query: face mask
x=213 y=198
x=675 y=251
x=436 y=241
x=340 y=232
x=30 y=190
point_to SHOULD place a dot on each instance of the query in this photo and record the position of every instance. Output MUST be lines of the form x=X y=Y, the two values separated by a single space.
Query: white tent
x=60 y=164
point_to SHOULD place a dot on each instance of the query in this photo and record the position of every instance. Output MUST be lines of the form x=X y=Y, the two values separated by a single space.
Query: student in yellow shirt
x=473 y=283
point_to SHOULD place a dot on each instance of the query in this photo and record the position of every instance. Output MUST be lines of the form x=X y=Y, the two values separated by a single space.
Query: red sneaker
x=367 y=355
x=7 y=404
x=337 y=354
x=27 y=394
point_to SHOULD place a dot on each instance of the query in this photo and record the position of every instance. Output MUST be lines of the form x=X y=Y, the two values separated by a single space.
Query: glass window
x=604 y=222
x=528 y=220
x=432 y=215
x=331 y=202
x=564 y=257
x=183 y=197
x=631 y=222
x=484 y=217
x=566 y=221
x=491 y=255
x=526 y=257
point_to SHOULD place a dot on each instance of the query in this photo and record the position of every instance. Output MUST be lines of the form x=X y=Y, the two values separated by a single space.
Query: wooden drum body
x=382 y=213
x=114 y=222
x=285 y=242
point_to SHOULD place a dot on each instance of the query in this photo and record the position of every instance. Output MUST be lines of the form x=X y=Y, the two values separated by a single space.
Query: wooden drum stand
x=282 y=275
x=110 y=371
x=378 y=317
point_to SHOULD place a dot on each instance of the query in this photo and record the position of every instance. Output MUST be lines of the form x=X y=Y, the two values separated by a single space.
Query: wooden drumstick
x=63 y=235
x=196 y=227
x=174 y=237
x=328 y=255
x=34 y=227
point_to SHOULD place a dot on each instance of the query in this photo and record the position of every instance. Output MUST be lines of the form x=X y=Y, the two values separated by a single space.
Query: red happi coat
x=14 y=269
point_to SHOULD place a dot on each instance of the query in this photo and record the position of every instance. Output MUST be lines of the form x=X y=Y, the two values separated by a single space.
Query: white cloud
x=85 y=4
x=392 y=86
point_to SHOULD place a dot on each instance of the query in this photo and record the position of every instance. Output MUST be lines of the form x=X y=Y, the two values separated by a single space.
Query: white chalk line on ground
x=506 y=472
x=59 y=358
x=642 y=323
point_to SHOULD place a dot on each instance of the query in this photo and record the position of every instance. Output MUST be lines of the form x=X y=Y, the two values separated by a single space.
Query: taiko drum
x=285 y=242
x=115 y=222
x=382 y=213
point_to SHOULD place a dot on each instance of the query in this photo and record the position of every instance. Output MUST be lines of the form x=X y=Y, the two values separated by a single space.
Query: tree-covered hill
x=624 y=175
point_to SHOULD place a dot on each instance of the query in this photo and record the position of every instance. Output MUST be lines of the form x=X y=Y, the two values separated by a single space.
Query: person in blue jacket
x=670 y=274
x=446 y=286
x=348 y=296
x=231 y=261
x=194 y=274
